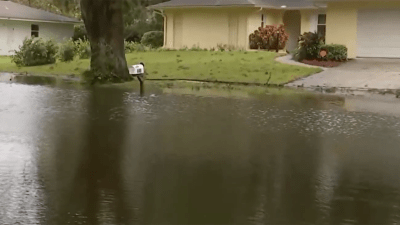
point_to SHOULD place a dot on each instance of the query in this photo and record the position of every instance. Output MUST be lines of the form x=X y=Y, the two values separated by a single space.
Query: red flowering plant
x=266 y=37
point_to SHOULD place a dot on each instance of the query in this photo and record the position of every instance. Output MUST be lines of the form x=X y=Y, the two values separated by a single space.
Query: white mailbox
x=137 y=69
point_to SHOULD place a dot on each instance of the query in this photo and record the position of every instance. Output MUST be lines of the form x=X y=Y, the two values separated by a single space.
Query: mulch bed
x=321 y=63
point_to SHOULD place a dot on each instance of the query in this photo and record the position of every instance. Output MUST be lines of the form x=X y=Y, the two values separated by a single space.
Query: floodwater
x=104 y=155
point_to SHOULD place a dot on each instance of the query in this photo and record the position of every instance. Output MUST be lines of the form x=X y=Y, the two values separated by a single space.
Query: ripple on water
x=252 y=160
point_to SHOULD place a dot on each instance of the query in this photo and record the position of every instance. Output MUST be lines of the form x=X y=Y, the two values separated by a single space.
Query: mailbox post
x=138 y=71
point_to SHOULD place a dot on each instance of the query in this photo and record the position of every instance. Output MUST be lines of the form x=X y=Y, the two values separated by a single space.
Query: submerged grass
x=76 y=67
x=237 y=66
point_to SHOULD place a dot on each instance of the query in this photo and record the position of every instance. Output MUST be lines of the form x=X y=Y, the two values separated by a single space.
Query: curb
x=220 y=82
x=338 y=90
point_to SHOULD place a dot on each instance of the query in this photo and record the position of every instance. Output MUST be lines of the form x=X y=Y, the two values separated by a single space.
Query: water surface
x=109 y=156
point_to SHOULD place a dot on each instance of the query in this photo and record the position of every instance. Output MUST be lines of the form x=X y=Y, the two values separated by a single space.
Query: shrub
x=335 y=52
x=255 y=40
x=135 y=47
x=308 y=47
x=225 y=47
x=82 y=49
x=35 y=51
x=67 y=51
x=155 y=39
x=132 y=34
x=266 y=37
x=221 y=47
x=79 y=33
x=129 y=46
x=196 y=48
x=165 y=49
x=184 y=48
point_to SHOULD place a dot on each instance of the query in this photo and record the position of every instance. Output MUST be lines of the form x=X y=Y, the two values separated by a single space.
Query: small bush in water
x=34 y=52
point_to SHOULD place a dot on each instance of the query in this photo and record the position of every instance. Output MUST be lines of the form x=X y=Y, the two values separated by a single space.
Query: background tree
x=139 y=20
x=64 y=7
x=108 y=23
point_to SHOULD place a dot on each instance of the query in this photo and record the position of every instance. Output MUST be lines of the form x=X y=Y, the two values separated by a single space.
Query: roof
x=13 y=11
x=290 y=4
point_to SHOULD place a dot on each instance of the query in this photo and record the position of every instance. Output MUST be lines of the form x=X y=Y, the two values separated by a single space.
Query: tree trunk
x=104 y=24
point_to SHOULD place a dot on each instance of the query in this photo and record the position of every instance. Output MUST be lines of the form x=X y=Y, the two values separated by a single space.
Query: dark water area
x=107 y=155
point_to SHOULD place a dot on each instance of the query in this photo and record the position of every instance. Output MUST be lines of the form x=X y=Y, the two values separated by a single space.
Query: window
x=263 y=20
x=35 y=30
x=321 y=29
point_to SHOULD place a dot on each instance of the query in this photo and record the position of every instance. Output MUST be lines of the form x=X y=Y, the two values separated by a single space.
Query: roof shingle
x=12 y=10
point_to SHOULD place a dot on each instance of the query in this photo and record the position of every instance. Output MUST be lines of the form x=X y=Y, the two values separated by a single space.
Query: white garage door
x=378 y=33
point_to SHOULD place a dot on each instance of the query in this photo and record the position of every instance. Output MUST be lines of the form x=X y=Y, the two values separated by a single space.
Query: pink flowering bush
x=266 y=37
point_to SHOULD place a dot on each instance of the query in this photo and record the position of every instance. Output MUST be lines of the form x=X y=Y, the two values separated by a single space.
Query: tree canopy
x=69 y=8
x=137 y=18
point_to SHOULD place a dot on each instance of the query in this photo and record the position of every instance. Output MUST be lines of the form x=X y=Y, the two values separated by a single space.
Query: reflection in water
x=109 y=156
x=35 y=80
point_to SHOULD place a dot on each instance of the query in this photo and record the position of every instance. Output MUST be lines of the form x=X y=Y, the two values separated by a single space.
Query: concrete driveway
x=362 y=73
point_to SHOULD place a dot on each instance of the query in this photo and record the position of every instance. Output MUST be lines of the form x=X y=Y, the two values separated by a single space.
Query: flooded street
x=103 y=155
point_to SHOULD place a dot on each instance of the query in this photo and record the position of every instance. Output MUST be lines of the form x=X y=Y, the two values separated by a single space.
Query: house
x=207 y=23
x=368 y=28
x=19 y=21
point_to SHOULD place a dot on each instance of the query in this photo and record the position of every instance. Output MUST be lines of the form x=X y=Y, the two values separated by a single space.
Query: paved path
x=362 y=73
x=287 y=59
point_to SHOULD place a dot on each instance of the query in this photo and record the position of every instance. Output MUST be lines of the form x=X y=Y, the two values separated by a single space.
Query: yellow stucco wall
x=253 y=21
x=169 y=30
x=272 y=17
x=243 y=40
x=208 y=27
x=341 y=21
x=341 y=26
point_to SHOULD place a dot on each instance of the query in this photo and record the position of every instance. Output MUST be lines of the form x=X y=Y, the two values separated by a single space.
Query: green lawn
x=248 y=67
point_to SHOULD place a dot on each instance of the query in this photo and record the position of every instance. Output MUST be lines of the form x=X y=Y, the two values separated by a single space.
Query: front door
x=292 y=21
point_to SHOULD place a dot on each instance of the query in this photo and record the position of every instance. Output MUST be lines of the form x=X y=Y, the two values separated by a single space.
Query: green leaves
x=139 y=20
x=308 y=47
x=335 y=52
x=35 y=51
x=155 y=39
x=69 y=8
x=67 y=51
